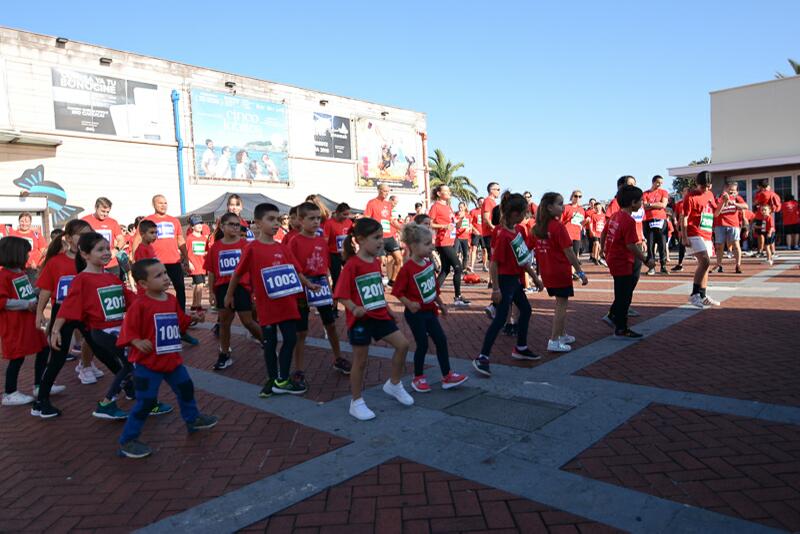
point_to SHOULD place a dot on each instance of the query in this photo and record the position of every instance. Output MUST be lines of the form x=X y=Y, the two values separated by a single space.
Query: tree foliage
x=680 y=182
x=444 y=172
x=795 y=68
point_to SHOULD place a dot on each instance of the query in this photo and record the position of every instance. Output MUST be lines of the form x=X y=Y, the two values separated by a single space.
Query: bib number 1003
x=280 y=281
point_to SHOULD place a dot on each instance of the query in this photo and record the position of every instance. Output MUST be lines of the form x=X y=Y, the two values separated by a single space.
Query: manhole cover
x=515 y=412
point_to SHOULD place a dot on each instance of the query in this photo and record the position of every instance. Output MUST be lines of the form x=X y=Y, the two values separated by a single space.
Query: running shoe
x=342 y=365
x=771 y=262
x=420 y=384
x=490 y=311
x=95 y=371
x=633 y=313
x=453 y=379
x=85 y=375
x=299 y=378
x=70 y=357
x=738 y=270
x=161 y=408
x=55 y=389
x=664 y=270
x=708 y=301
x=651 y=272
x=223 y=361
x=202 y=422
x=17 y=398
x=109 y=411
x=697 y=301
x=678 y=268
x=282 y=387
x=627 y=334
x=135 y=449
x=398 y=392
x=530 y=290
x=45 y=410
x=603 y=262
x=575 y=276
x=481 y=364
x=266 y=391
x=718 y=269
x=524 y=354
x=608 y=320
x=191 y=340
x=359 y=410
x=554 y=345
x=566 y=338
x=461 y=302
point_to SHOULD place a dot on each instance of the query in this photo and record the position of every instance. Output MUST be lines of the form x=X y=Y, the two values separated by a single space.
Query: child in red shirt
x=196 y=244
x=555 y=259
x=18 y=331
x=622 y=247
x=765 y=227
x=417 y=289
x=152 y=331
x=335 y=231
x=360 y=290
x=149 y=232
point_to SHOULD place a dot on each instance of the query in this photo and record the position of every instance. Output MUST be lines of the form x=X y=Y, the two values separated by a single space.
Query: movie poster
x=331 y=136
x=388 y=153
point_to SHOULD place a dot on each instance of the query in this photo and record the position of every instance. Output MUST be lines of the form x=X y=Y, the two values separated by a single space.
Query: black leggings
x=576 y=247
x=462 y=246
x=510 y=291
x=449 y=259
x=269 y=334
x=424 y=324
x=107 y=345
x=175 y=273
x=681 y=252
x=336 y=267
x=655 y=237
x=623 y=295
x=14 y=366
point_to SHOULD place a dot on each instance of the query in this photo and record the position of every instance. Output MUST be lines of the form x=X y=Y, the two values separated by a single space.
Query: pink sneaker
x=453 y=379
x=420 y=384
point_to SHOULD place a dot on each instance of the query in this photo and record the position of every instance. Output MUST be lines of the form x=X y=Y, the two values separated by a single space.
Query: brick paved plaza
x=694 y=428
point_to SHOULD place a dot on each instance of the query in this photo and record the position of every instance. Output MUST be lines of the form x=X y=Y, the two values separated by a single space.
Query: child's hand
x=40 y=321
x=55 y=339
x=32 y=305
x=496 y=296
x=413 y=307
x=538 y=283
x=443 y=309
x=143 y=345
x=314 y=287
x=359 y=311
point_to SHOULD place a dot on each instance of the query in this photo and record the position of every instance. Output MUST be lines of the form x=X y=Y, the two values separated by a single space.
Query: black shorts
x=325 y=313
x=564 y=292
x=241 y=298
x=198 y=279
x=365 y=330
x=791 y=229
x=390 y=245
x=476 y=241
x=594 y=240
x=487 y=245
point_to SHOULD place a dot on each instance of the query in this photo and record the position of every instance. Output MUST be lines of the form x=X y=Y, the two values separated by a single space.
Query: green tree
x=795 y=67
x=442 y=171
x=685 y=181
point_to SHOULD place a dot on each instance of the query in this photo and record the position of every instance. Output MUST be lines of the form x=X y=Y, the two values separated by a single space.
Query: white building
x=78 y=121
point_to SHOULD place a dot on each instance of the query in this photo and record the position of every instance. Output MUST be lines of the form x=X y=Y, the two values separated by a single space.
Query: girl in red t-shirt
x=555 y=258
x=196 y=248
x=417 y=289
x=360 y=290
x=18 y=331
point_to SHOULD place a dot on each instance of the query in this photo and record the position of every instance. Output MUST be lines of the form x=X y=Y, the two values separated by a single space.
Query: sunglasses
x=577 y=196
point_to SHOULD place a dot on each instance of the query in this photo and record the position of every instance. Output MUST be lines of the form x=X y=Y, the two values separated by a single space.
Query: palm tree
x=443 y=172
x=795 y=67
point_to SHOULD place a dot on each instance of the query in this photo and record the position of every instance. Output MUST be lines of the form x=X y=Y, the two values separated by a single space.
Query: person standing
x=35 y=238
x=791 y=222
x=476 y=241
x=572 y=218
x=699 y=209
x=110 y=230
x=209 y=159
x=766 y=197
x=489 y=203
x=655 y=223
x=380 y=209
x=727 y=228
x=443 y=221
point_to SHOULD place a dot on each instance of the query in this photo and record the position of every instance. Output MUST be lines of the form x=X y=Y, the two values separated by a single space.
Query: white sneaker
x=771 y=262
x=17 y=398
x=86 y=376
x=556 y=345
x=697 y=301
x=359 y=410
x=708 y=301
x=490 y=311
x=567 y=339
x=55 y=389
x=96 y=372
x=398 y=392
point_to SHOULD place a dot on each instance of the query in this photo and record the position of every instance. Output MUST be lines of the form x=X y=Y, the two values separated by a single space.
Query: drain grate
x=515 y=412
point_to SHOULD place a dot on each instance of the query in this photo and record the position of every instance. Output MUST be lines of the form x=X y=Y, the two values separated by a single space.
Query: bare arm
x=44 y=298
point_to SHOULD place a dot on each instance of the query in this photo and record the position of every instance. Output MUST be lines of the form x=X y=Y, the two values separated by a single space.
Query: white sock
x=523 y=347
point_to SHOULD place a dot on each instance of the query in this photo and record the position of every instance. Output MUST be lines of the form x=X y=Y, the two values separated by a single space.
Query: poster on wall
x=92 y=103
x=239 y=139
x=389 y=153
x=331 y=136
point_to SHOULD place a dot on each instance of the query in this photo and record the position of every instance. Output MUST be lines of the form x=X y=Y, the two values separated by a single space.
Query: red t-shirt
x=18 y=331
x=533 y=207
x=381 y=211
x=144 y=252
x=554 y=267
x=222 y=260
x=360 y=278
x=291 y=234
x=572 y=218
x=699 y=210
x=504 y=242
x=678 y=209
x=280 y=233
x=597 y=223
x=335 y=233
x=729 y=216
x=257 y=260
x=57 y=276
x=311 y=253
x=196 y=252
x=413 y=280
x=790 y=213
x=770 y=198
x=462 y=226
x=443 y=214
x=612 y=208
x=159 y=321
x=98 y=300
x=476 y=220
x=109 y=229
x=168 y=228
x=621 y=233
x=659 y=195
x=38 y=246
x=488 y=205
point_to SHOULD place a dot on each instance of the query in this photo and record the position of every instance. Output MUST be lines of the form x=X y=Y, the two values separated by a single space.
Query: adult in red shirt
x=727 y=226
x=489 y=203
x=766 y=197
x=699 y=209
x=443 y=222
x=35 y=238
x=110 y=229
x=380 y=209
x=476 y=240
x=572 y=218
x=791 y=221
x=170 y=246
x=655 y=202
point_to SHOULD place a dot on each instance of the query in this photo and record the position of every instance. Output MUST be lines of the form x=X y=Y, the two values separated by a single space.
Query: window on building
x=753 y=192
x=782 y=186
x=743 y=189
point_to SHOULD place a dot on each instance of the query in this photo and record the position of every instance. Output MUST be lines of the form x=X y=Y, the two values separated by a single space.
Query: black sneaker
x=627 y=333
x=481 y=364
x=342 y=365
x=215 y=330
x=223 y=361
x=678 y=268
x=461 y=302
x=299 y=378
x=135 y=449
x=282 y=387
x=70 y=357
x=738 y=270
x=718 y=269
x=664 y=270
x=202 y=422
x=633 y=313
x=44 y=410
x=524 y=354
x=266 y=391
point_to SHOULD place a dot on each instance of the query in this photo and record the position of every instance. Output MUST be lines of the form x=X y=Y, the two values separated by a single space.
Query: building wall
x=130 y=171
x=756 y=121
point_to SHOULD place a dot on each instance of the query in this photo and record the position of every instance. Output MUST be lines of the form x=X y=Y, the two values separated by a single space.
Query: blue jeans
x=147 y=384
x=510 y=291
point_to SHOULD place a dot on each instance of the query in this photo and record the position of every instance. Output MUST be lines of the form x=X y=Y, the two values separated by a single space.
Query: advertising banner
x=239 y=139
x=331 y=136
x=389 y=153
x=92 y=103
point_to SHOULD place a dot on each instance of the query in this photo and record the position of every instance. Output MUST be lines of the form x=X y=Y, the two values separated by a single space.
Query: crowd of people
x=117 y=294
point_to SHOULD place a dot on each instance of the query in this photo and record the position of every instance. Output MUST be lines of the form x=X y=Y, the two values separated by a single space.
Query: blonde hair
x=415 y=233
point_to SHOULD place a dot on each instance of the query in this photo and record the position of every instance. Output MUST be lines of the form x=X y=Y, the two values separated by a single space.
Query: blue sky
x=539 y=96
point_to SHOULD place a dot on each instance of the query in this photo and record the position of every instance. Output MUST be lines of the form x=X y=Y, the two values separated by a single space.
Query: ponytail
x=349 y=247
x=543 y=216
x=511 y=203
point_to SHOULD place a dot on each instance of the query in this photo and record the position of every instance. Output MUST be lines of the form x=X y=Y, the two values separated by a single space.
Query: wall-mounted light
x=323 y=102
x=384 y=114
x=105 y=60
x=61 y=42
x=230 y=85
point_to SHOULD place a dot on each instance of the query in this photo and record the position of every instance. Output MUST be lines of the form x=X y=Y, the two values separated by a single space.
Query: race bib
x=452 y=232
x=23 y=287
x=198 y=248
x=112 y=302
x=340 y=242
x=657 y=224
x=480 y=220
x=168 y=333
x=706 y=221
x=228 y=261
x=62 y=288
x=281 y=281
x=249 y=235
x=520 y=249
x=386 y=225
x=464 y=223
x=577 y=218
x=638 y=216
x=320 y=232
x=165 y=230
x=321 y=297
x=106 y=233
x=370 y=289
x=426 y=284
x=599 y=227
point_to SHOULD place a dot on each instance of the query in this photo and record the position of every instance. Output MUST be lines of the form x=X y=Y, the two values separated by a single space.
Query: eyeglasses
x=577 y=196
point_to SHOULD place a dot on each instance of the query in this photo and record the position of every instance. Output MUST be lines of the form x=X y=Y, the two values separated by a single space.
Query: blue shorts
x=726 y=234
x=365 y=330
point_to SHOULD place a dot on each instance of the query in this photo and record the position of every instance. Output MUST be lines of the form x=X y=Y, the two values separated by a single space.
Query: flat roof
x=765 y=82
x=734 y=165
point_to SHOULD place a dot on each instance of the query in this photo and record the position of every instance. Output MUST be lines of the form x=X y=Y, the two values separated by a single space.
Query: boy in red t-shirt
x=149 y=232
x=196 y=245
x=622 y=247
x=152 y=330
x=764 y=228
